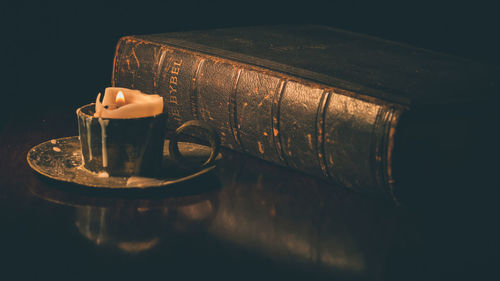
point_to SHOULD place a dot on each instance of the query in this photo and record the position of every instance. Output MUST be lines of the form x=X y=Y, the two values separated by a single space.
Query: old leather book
x=342 y=106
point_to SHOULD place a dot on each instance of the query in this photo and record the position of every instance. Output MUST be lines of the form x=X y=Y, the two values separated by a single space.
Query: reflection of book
x=320 y=100
x=318 y=231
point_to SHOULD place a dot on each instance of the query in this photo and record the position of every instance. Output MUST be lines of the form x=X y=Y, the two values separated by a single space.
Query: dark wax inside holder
x=121 y=147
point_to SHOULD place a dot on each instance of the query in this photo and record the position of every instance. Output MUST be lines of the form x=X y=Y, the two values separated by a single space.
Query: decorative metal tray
x=61 y=159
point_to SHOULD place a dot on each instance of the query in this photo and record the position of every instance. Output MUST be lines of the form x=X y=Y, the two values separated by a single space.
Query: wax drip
x=104 y=124
x=88 y=122
x=103 y=175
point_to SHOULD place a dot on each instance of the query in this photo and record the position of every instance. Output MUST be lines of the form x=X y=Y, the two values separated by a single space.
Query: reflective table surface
x=248 y=220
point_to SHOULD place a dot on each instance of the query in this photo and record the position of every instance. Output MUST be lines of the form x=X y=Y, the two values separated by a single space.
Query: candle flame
x=120 y=98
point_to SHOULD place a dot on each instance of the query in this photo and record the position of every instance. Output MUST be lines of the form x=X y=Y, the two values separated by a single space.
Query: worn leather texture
x=311 y=98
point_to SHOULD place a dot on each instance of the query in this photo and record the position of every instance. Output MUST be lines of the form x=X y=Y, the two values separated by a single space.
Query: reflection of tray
x=61 y=159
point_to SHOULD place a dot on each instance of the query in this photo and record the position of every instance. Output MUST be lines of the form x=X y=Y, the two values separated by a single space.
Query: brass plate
x=61 y=159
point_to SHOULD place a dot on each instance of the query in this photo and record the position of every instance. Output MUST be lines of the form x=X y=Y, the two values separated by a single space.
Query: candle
x=123 y=103
x=122 y=146
x=124 y=134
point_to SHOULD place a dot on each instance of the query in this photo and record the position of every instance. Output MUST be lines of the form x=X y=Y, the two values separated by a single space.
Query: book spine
x=321 y=130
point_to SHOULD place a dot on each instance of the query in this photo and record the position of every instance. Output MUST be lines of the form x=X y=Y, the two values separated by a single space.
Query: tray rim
x=164 y=182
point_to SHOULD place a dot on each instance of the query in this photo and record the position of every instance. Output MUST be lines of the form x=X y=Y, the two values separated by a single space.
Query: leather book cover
x=327 y=102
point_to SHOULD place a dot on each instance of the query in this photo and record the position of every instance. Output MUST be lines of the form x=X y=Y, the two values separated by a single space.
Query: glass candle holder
x=121 y=147
x=134 y=146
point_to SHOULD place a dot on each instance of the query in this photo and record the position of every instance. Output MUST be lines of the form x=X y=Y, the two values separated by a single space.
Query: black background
x=61 y=53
